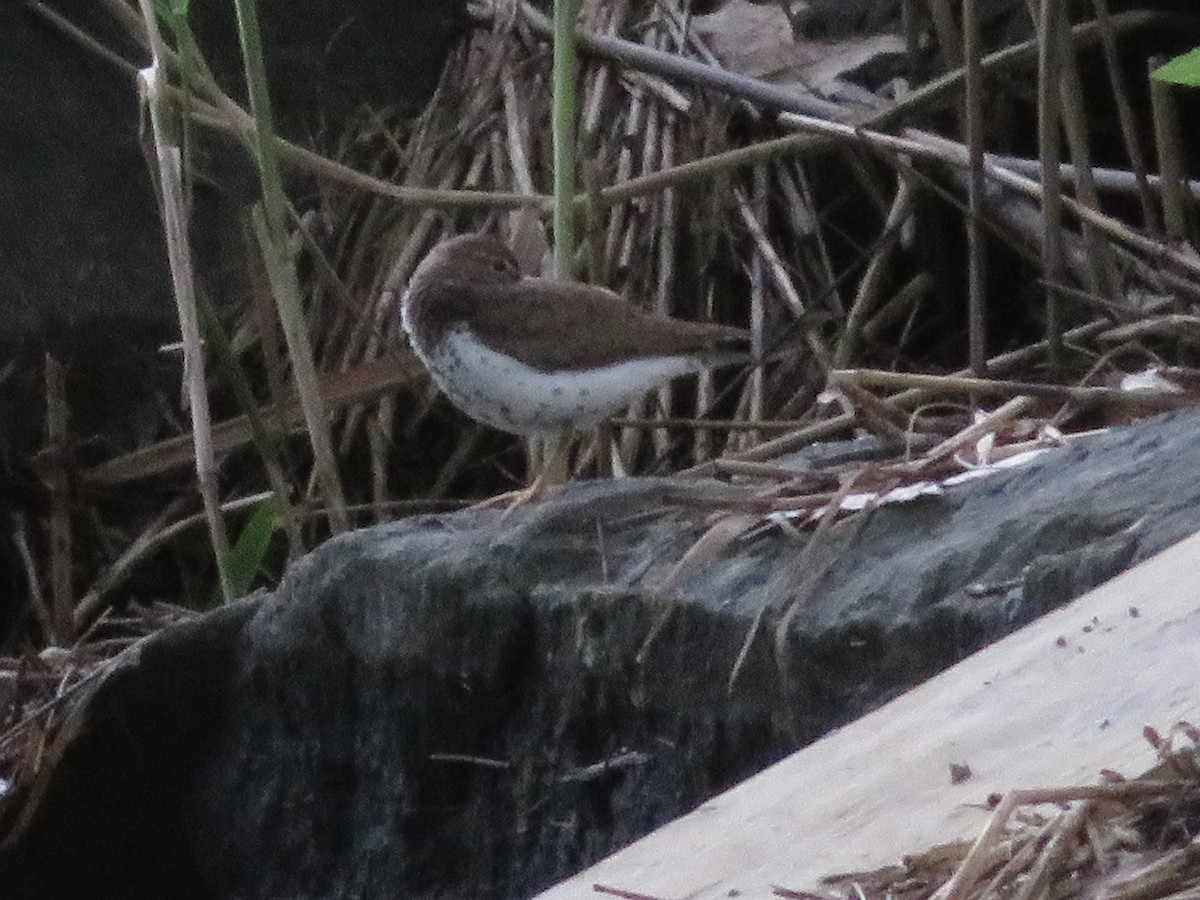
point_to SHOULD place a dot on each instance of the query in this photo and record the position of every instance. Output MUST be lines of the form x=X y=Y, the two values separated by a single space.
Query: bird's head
x=479 y=260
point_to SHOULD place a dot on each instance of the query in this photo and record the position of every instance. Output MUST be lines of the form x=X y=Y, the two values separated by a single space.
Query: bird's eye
x=501 y=265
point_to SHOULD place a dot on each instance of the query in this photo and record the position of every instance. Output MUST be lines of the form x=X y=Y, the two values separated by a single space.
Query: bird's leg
x=604 y=449
x=556 y=459
x=554 y=469
x=551 y=468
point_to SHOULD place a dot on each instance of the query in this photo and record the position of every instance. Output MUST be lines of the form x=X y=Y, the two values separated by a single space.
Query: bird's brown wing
x=571 y=325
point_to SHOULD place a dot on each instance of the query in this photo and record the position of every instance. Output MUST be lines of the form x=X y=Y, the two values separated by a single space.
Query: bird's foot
x=540 y=489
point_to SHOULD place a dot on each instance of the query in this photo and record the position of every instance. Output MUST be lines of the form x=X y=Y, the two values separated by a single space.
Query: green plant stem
x=562 y=124
x=266 y=435
x=279 y=257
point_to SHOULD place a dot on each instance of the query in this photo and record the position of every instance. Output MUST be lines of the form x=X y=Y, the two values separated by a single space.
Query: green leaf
x=172 y=13
x=246 y=555
x=1181 y=70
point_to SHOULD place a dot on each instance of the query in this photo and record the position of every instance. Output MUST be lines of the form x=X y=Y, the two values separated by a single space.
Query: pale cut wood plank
x=1048 y=706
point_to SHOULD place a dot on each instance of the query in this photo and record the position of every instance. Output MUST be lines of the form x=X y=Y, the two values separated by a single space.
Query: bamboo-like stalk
x=802 y=214
x=668 y=252
x=960 y=385
x=820 y=131
x=873 y=414
x=1158 y=252
x=271 y=227
x=1121 y=181
x=597 y=80
x=624 y=169
x=170 y=176
x=1100 y=274
x=704 y=425
x=705 y=443
x=562 y=124
x=801 y=437
x=1129 y=128
x=1049 y=150
x=262 y=316
x=948 y=38
x=516 y=123
x=777 y=270
x=976 y=245
x=757 y=210
x=639 y=56
x=1169 y=144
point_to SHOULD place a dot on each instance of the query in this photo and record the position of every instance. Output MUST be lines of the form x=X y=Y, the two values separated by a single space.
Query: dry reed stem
x=366 y=381
x=42 y=610
x=1170 y=146
x=945 y=27
x=1180 y=326
x=899 y=307
x=613 y=49
x=803 y=221
x=1100 y=276
x=961 y=385
x=1007 y=361
x=778 y=271
x=1106 y=178
x=866 y=297
x=794 y=440
x=973 y=100
x=1125 y=115
x=169 y=170
x=639 y=57
x=974 y=865
x=749 y=404
x=92 y=602
x=766 y=259
x=494 y=94
x=62 y=599
x=668 y=251
x=875 y=415
x=985 y=425
x=1050 y=859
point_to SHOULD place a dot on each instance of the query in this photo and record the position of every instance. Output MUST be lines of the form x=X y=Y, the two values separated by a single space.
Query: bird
x=541 y=357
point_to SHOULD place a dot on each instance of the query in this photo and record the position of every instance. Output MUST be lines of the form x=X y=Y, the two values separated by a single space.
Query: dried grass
x=835 y=229
x=1120 y=840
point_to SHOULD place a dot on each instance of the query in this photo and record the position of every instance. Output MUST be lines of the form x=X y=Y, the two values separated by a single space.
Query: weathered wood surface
x=1048 y=706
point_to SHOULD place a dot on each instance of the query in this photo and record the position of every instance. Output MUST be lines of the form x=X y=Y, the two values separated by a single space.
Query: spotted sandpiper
x=540 y=357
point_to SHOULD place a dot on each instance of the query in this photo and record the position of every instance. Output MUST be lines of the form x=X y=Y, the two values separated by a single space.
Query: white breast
x=499 y=391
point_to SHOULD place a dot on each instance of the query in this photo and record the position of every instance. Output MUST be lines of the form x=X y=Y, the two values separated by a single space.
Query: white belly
x=499 y=391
